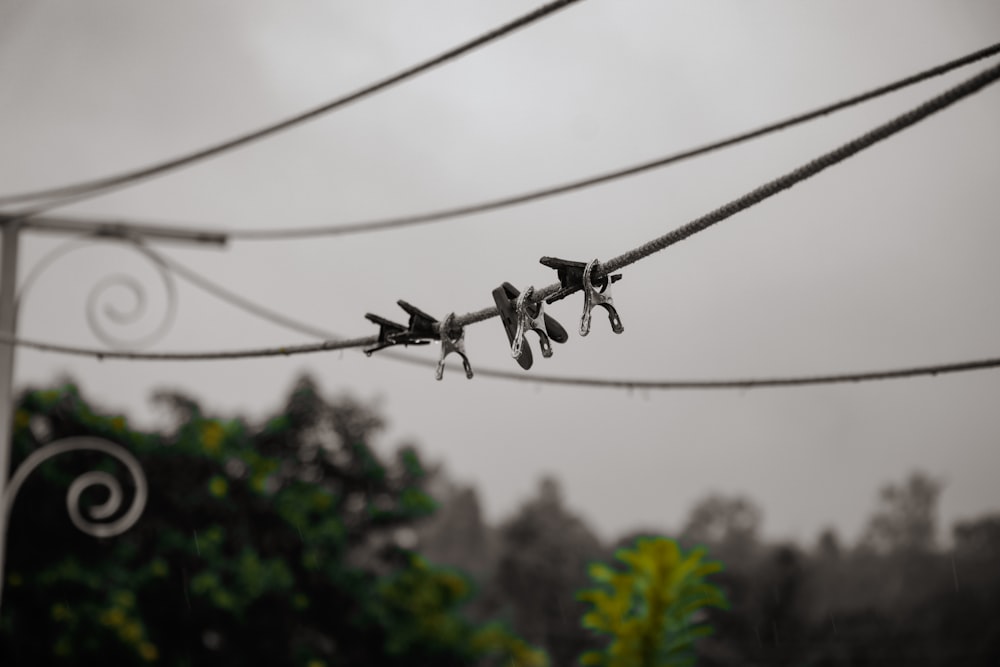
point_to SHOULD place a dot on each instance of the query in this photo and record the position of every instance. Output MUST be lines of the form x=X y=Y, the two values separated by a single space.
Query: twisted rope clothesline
x=85 y=189
x=884 y=131
x=757 y=195
x=364 y=226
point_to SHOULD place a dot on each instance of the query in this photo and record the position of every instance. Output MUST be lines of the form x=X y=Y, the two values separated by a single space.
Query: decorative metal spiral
x=95 y=524
x=100 y=311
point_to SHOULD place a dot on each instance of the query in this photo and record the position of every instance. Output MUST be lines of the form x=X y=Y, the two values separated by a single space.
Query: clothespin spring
x=527 y=321
x=452 y=340
x=593 y=297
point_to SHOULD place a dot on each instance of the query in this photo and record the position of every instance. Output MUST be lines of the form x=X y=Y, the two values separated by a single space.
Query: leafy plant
x=417 y=606
x=649 y=609
x=283 y=543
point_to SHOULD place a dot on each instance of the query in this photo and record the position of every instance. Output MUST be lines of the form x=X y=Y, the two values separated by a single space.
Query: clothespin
x=387 y=330
x=421 y=330
x=596 y=288
x=452 y=340
x=519 y=315
x=422 y=327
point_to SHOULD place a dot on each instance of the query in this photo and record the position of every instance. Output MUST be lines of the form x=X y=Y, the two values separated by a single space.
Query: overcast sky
x=886 y=260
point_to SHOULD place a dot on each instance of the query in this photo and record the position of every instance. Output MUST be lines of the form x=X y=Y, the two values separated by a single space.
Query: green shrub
x=649 y=609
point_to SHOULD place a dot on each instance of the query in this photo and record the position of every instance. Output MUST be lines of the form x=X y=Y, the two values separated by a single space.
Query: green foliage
x=648 y=608
x=268 y=545
x=496 y=641
x=417 y=603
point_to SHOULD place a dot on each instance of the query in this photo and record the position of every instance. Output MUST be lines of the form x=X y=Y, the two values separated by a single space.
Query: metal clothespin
x=571 y=277
x=596 y=288
x=421 y=330
x=452 y=340
x=519 y=315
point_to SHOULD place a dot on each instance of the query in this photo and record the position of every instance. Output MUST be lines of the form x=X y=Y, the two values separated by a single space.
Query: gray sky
x=886 y=260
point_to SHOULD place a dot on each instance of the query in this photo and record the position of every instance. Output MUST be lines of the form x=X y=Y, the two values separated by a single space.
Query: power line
x=99 y=185
x=382 y=224
x=752 y=198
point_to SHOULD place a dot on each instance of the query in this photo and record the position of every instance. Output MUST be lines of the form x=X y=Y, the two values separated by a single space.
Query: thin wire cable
x=747 y=383
x=756 y=196
x=754 y=383
x=100 y=185
x=232 y=298
x=280 y=319
x=215 y=355
x=382 y=224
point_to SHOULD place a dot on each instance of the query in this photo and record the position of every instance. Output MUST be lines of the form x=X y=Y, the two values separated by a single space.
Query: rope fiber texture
x=756 y=196
x=752 y=198
x=383 y=224
x=90 y=188
x=946 y=99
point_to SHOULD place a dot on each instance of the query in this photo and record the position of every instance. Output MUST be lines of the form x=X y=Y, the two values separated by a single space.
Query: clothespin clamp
x=422 y=327
x=421 y=330
x=452 y=340
x=387 y=330
x=519 y=315
x=575 y=276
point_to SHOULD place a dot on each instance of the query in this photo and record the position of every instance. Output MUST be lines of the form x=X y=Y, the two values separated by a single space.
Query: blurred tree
x=976 y=555
x=969 y=609
x=906 y=520
x=978 y=538
x=779 y=615
x=730 y=525
x=283 y=544
x=828 y=544
x=457 y=534
x=543 y=560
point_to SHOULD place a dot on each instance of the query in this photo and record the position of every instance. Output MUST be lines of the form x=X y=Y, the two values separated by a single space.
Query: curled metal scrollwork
x=102 y=313
x=95 y=524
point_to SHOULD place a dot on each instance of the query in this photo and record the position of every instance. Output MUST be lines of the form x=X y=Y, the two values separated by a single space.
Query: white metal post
x=8 y=326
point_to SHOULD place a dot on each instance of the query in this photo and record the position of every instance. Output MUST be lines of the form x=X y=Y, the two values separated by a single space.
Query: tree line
x=289 y=540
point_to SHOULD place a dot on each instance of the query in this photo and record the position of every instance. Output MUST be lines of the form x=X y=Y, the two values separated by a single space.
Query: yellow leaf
x=211 y=436
x=218 y=486
x=149 y=652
